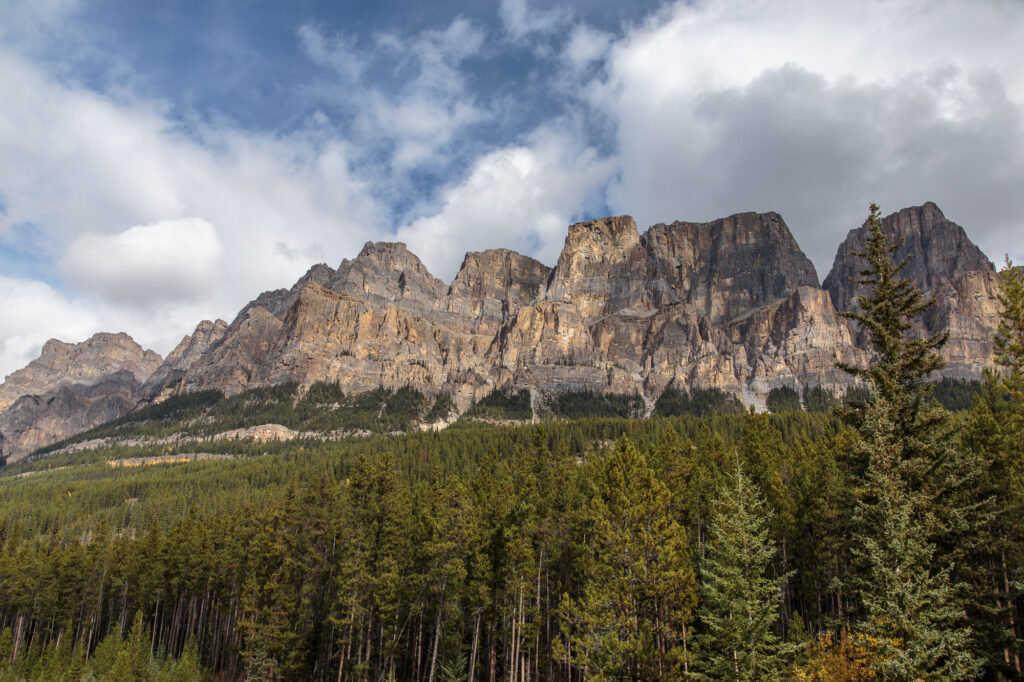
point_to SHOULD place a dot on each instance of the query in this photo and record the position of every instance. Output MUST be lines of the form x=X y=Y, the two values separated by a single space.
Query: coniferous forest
x=877 y=539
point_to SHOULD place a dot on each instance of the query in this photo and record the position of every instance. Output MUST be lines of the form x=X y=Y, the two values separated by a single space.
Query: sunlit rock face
x=732 y=303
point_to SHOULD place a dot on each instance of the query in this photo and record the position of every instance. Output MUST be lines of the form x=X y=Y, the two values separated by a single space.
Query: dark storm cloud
x=819 y=153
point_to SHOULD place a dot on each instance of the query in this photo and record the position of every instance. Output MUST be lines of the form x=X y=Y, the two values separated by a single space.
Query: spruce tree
x=739 y=599
x=1009 y=340
x=994 y=429
x=907 y=471
x=631 y=620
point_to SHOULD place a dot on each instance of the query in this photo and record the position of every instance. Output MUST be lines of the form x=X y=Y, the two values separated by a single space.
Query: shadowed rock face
x=35 y=421
x=733 y=303
x=71 y=387
x=944 y=264
x=166 y=380
x=78 y=363
x=727 y=267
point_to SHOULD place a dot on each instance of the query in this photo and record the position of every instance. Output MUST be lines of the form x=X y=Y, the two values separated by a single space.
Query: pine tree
x=631 y=620
x=909 y=480
x=739 y=599
x=133 y=661
x=1009 y=340
x=994 y=429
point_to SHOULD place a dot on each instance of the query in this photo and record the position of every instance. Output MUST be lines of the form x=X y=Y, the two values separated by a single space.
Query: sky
x=164 y=163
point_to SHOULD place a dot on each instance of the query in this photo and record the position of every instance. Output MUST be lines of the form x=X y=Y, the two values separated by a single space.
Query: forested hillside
x=883 y=539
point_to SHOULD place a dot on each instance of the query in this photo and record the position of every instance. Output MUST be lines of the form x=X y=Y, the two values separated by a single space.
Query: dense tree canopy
x=888 y=544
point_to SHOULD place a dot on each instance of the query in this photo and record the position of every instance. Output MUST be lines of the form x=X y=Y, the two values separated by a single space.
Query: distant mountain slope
x=70 y=388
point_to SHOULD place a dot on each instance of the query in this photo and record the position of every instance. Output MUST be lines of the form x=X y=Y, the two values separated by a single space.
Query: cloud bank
x=148 y=213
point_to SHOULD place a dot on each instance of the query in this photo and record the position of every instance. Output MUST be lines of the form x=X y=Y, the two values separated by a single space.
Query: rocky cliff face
x=71 y=387
x=78 y=363
x=165 y=381
x=727 y=267
x=380 y=319
x=944 y=264
x=733 y=303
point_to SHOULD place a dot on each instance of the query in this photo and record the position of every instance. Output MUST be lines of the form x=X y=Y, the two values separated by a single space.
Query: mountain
x=944 y=263
x=71 y=387
x=732 y=304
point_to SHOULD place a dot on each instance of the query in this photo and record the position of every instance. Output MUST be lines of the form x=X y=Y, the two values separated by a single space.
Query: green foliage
x=783 y=399
x=639 y=592
x=820 y=399
x=501 y=405
x=581 y=404
x=739 y=597
x=908 y=494
x=442 y=409
x=323 y=408
x=1009 y=339
x=518 y=551
x=856 y=396
x=699 y=402
x=955 y=395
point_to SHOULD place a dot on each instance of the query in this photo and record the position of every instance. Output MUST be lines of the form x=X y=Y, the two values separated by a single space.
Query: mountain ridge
x=732 y=304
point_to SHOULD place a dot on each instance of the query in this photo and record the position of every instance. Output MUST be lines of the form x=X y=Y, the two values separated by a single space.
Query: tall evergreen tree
x=739 y=598
x=909 y=479
x=631 y=620
x=1009 y=339
x=994 y=429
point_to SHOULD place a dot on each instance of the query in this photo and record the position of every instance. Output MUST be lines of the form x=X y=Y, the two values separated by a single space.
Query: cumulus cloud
x=81 y=167
x=585 y=46
x=520 y=197
x=33 y=313
x=169 y=260
x=815 y=109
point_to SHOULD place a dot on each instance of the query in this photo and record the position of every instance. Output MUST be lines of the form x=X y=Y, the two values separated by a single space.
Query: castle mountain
x=732 y=304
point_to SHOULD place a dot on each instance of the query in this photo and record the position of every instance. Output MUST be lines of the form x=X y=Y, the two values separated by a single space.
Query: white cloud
x=33 y=313
x=169 y=260
x=336 y=51
x=520 y=197
x=585 y=46
x=81 y=167
x=521 y=20
x=814 y=109
x=421 y=116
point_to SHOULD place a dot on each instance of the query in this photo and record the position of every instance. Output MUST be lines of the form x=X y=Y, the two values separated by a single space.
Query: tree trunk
x=476 y=640
x=437 y=632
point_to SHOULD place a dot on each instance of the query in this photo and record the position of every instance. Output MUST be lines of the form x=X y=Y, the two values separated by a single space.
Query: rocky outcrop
x=733 y=303
x=69 y=388
x=727 y=267
x=945 y=265
x=166 y=380
x=88 y=362
x=35 y=421
x=491 y=285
